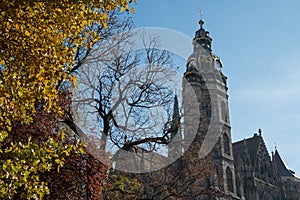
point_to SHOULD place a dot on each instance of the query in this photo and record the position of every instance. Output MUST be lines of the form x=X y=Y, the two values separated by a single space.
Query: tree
x=120 y=90
x=38 y=42
x=185 y=178
x=117 y=88
x=30 y=151
x=84 y=176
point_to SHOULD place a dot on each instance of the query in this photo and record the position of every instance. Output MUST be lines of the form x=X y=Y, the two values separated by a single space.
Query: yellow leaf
x=131 y=10
x=63 y=135
x=27 y=33
x=122 y=9
x=104 y=16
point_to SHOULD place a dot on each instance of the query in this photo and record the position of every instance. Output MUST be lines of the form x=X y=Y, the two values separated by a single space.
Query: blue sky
x=258 y=43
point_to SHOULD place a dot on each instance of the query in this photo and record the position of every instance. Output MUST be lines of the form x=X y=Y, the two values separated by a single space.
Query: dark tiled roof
x=252 y=145
x=281 y=168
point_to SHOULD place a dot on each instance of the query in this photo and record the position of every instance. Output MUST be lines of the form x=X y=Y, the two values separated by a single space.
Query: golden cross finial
x=201 y=14
x=201 y=22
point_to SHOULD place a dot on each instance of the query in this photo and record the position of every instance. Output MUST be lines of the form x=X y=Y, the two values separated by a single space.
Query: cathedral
x=212 y=166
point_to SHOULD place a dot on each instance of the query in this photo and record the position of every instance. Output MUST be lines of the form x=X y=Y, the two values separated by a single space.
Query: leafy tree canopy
x=38 y=40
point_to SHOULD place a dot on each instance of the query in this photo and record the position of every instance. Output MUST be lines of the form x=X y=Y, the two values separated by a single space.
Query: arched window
x=226 y=144
x=229 y=179
x=224 y=112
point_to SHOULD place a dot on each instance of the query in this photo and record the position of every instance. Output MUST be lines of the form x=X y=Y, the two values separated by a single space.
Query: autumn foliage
x=38 y=41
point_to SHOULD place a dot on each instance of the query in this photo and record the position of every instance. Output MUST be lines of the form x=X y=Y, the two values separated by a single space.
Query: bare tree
x=83 y=176
x=122 y=93
x=187 y=178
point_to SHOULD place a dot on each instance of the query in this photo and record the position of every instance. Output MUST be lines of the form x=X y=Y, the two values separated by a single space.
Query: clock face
x=205 y=59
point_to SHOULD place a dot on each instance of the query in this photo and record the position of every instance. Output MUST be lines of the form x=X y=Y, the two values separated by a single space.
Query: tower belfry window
x=226 y=144
x=224 y=113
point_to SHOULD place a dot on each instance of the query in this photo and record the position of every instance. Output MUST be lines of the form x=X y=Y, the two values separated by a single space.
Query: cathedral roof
x=282 y=170
x=249 y=145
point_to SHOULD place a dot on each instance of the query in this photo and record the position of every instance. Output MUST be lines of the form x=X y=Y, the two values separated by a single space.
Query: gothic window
x=229 y=179
x=224 y=112
x=226 y=144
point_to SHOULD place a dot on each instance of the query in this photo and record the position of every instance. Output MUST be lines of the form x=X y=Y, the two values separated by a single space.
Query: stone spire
x=174 y=150
x=175 y=119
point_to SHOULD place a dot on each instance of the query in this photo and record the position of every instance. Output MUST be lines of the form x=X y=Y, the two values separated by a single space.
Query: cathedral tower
x=204 y=75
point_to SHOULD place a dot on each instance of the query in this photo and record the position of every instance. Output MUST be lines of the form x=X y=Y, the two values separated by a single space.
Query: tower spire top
x=201 y=22
x=202 y=36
